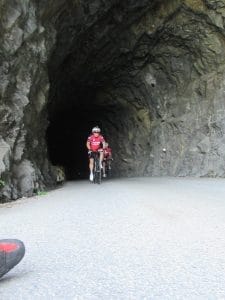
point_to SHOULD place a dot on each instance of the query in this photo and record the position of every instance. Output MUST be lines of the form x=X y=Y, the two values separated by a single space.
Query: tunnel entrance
x=149 y=73
x=69 y=129
x=96 y=78
x=71 y=118
x=142 y=80
x=78 y=110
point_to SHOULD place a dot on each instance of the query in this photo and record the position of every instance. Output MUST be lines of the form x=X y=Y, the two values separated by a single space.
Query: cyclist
x=95 y=143
x=11 y=253
x=107 y=158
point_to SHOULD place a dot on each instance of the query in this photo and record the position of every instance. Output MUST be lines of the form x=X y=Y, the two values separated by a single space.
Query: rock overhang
x=150 y=72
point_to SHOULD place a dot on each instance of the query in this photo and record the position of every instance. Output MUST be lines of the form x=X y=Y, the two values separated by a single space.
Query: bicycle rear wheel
x=108 y=169
x=109 y=173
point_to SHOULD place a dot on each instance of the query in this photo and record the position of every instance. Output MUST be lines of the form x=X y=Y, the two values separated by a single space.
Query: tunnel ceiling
x=97 y=52
x=150 y=73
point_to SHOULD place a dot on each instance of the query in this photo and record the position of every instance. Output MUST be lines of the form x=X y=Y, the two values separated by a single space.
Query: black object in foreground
x=11 y=253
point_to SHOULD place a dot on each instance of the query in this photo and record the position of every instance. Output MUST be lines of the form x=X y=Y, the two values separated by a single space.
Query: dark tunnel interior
x=101 y=77
x=69 y=128
x=142 y=80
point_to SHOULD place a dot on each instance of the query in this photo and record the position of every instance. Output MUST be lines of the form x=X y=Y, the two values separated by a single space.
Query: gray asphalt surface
x=145 y=238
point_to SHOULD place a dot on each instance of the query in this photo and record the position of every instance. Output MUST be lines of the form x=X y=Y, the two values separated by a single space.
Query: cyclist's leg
x=101 y=156
x=91 y=164
x=91 y=167
x=109 y=163
x=104 y=167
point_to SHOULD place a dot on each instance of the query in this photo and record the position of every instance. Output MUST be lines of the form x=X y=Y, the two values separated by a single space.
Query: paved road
x=146 y=238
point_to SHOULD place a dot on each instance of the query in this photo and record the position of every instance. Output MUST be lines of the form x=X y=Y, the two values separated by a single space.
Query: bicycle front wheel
x=98 y=177
x=97 y=171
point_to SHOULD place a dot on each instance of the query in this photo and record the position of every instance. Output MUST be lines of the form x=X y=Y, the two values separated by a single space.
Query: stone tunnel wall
x=24 y=51
x=178 y=92
x=158 y=66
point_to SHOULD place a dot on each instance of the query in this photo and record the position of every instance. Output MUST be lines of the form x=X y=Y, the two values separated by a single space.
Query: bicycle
x=108 y=167
x=97 y=171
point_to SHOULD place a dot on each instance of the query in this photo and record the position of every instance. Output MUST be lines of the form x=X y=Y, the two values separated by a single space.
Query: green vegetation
x=2 y=183
x=41 y=193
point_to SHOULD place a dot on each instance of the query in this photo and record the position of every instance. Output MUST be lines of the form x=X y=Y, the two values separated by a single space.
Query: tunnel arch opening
x=69 y=129
x=70 y=124
x=142 y=80
x=94 y=81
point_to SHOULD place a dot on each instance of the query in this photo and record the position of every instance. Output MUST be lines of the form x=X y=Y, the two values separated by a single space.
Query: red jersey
x=95 y=142
x=107 y=152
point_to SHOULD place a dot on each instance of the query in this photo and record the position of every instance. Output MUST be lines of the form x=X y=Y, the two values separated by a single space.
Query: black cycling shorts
x=92 y=154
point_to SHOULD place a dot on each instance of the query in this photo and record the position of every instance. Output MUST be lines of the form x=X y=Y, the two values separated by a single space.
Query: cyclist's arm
x=103 y=143
x=88 y=144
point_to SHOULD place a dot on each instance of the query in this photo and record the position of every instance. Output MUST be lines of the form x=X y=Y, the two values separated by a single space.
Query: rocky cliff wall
x=25 y=45
x=179 y=60
x=151 y=73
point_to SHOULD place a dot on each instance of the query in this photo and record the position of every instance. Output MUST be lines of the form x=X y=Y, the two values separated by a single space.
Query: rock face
x=150 y=73
x=24 y=84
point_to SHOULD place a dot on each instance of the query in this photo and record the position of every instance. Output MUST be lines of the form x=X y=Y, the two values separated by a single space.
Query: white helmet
x=96 y=129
